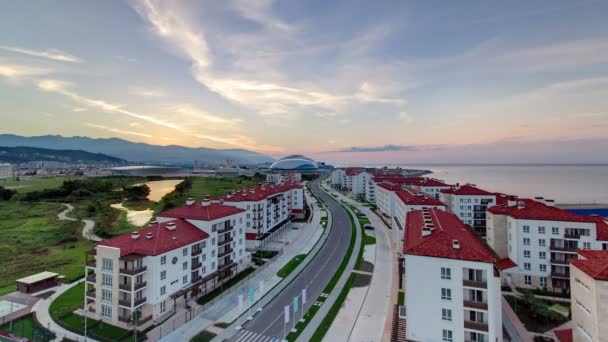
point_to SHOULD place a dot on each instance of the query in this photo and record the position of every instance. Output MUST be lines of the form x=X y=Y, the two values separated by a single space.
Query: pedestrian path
x=89 y=225
x=250 y=336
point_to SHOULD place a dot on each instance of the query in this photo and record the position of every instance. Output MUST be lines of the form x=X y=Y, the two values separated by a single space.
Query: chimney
x=512 y=201
x=455 y=244
x=206 y=202
x=149 y=235
x=229 y=194
x=521 y=205
x=152 y=223
x=221 y=201
x=550 y=202
x=171 y=226
x=190 y=201
x=135 y=235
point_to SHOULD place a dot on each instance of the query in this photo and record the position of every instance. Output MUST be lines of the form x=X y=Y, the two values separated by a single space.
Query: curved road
x=314 y=277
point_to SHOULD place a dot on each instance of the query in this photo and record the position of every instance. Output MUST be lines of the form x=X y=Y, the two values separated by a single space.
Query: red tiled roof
x=251 y=236
x=409 y=197
x=504 y=264
x=502 y=199
x=390 y=186
x=594 y=263
x=163 y=240
x=353 y=171
x=535 y=210
x=467 y=190
x=564 y=335
x=259 y=193
x=428 y=182
x=197 y=211
x=439 y=243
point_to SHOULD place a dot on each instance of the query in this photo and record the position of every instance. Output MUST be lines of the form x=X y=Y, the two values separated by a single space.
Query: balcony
x=196 y=266
x=562 y=275
x=91 y=278
x=475 y=305
x=133 y=271
x=196 y=278
x=127 y=287
x=227 y=251
x=474 y=283
x=196 y=252
x=225 y=265
x=91 y=263
x=226 y=229
x=572 y=236
x=562 y=249
x=136 y=303
x=127 y=319
x=559 y=261
x=225 y=241
x=91 y=293
x=476 y=326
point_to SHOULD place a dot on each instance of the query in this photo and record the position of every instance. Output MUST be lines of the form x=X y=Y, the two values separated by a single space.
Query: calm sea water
x=571 y=184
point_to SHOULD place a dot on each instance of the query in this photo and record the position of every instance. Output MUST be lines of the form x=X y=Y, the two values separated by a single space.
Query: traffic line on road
x=250 y=336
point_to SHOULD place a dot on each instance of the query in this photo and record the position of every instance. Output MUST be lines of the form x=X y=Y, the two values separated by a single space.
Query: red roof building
x=467 y=190
x=593 y=262
x=204 y=212
x=410 y=197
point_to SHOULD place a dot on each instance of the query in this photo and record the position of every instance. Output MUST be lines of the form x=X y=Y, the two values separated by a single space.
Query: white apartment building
x=191 y=249
x=588 y=293
x=407 y=200
x=540 y=240
x=267 y=207
x=385 y=197
x=6 y=170
x=280 y=177
x=337 y=178
x=429 y=186
x=363 y=186
x=470 y=203
x=451 y=280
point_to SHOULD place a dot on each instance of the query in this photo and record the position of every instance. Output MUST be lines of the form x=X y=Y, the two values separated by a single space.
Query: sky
x=343 y=81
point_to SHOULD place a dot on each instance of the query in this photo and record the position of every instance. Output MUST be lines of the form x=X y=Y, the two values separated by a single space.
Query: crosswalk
x=250 y=336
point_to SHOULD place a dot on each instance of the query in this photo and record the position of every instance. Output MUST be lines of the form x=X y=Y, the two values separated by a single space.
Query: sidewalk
x=300 y=241
x=366 y=313
x=41 y=308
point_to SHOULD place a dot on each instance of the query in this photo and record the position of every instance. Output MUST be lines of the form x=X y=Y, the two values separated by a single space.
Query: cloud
x=189 y=110
x=117 y=130
x=147 y=92
x=52 y=54
x=387 y=148
x=240 y=141
x=62 y=87
x=78 y=109
x=16 y=71
x=259 y=12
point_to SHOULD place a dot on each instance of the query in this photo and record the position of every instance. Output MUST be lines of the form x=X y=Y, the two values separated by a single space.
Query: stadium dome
x=294 y=162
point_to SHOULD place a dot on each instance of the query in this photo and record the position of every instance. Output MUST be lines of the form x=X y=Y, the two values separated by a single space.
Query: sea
x=566 y=184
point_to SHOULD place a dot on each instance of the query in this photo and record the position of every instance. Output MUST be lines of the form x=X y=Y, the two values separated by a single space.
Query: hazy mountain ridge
x=133 y=151
x=22 y=154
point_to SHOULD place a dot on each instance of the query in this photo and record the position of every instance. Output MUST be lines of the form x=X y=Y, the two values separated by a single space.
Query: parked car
x=368 y=226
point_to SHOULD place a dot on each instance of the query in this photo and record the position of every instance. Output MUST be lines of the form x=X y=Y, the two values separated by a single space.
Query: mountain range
x=136 y=152
x=22 y=154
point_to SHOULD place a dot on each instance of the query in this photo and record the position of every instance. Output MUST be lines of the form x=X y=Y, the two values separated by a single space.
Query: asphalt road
x=314 y=277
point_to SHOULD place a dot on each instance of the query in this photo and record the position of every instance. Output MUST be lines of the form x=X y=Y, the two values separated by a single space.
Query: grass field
x=39 y=183
x=203 y=336
x=291 y=265
x=33 y=240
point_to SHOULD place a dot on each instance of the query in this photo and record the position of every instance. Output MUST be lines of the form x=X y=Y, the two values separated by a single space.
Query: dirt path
x=89 y=225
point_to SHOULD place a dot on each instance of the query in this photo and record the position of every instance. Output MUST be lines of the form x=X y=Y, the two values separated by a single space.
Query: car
x=368 y=226
x=359 y=213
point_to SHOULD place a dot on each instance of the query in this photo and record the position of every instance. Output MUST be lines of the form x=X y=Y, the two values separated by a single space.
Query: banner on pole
x=295 y=304
x=303 y=296
x=286 y=318
x=261 y=287
x=251 y=295
x=240 y=302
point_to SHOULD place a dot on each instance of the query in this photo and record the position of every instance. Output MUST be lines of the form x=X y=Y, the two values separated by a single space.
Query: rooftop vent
x=455 y=244
x=152 y=223
x=206 y=202
x=426 y=232
x=171 y=226
x=190 y=201
x=550 y=202
x=135 y=235
x=521 y=205
x=149 y=235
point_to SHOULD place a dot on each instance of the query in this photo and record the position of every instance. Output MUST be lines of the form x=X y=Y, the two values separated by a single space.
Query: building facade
x=541 y=240
x=451 y=280
x=6 y=170
x=470 y=203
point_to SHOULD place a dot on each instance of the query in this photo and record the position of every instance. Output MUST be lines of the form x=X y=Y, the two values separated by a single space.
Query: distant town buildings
x=279 y=177
x=452 y=281
x=6 y=170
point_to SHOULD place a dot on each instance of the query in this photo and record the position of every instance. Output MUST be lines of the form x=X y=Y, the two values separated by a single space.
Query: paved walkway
x=366 y=314
x=89 y=225
x=42 y=314
x=225 y=310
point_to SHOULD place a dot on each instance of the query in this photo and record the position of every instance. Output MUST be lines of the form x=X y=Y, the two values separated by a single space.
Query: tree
x=135 y=317
x=137 y=192
x=6 y=194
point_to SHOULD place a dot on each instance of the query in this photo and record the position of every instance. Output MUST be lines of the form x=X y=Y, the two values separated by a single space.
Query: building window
x=526 y=229
x=526 y=241
x=107 y=264
x=204 y=257
x=163 y=307
x=446 y=273
x=526 y=254
x=541 y=242
x=213 y=241
x=446 y=294
x=527 y=266
x=543 y=282
x=185 y=251
x=106 y=312
x=214 y=228
x=543 y=267
x=447 y=335
x=213 y=253
x=106 y=280
x=555 y=230
x=185 y=265
x=446 y=314
x=541 y=230
x=106 y=295
x=163 y=290
x=163 y=275
x=528 y=280
x=542 y=255
x=213 y=265
x=185 y=279
x=163 y=259
x=586 y=245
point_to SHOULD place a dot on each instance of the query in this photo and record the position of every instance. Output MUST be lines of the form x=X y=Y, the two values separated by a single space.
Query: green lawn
x=203 y=336
x=333 y=311
x=291 y=265
x=33 y=240
x=25 y=185
x=401 y=298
